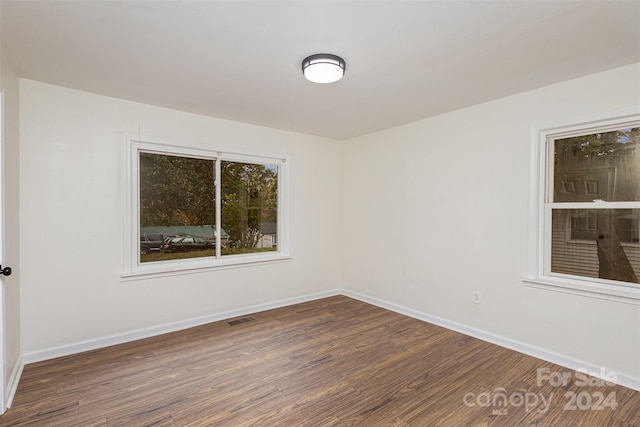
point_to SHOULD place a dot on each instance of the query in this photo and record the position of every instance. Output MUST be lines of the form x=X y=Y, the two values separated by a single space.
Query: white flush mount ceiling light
x=323 y=68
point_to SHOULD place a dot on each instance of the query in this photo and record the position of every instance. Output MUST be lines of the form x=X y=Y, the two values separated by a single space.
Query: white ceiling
x=240 y=60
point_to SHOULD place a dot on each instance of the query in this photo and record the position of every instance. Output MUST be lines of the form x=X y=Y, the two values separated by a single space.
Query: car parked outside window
x=186 y=243
x=151 y=242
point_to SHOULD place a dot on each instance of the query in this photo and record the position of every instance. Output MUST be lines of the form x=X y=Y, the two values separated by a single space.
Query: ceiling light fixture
x=323 y=68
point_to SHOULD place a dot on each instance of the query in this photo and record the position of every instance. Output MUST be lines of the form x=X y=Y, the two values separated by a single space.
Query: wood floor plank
x=330 y=362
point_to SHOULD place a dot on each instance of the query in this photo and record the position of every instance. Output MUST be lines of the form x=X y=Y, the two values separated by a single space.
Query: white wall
x=438 y=208
x=9 y=84
x=72 y=218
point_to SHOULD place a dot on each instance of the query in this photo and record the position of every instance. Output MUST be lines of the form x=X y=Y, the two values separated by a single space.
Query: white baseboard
x=65 y=350
x=14 y=379
x=549 y=356
x=79 y=347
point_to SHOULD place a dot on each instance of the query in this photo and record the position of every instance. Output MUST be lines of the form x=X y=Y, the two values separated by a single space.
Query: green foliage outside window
x=177 y=191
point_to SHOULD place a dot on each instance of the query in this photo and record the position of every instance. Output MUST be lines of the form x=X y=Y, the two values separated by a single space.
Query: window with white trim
x=585 y=217
x=190 y=209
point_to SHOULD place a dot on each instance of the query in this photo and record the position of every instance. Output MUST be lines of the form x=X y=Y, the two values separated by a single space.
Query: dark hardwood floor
x=331 y=362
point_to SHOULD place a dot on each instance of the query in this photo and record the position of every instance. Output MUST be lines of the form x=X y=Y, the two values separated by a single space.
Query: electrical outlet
x=476 y=297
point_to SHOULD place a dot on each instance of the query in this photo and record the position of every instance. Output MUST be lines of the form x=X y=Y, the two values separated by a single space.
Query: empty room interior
x=320 y=213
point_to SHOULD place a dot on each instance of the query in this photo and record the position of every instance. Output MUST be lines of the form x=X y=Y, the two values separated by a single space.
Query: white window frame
x=134 y=269
x=538 y=267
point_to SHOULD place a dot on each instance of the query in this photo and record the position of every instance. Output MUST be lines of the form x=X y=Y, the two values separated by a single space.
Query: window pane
x=603 y=166
x=599 y=243
x=249 y=199
x=177 y=203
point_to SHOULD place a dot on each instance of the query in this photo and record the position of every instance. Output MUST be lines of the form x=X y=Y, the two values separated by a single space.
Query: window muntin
x=593 y=192
x=192 y=204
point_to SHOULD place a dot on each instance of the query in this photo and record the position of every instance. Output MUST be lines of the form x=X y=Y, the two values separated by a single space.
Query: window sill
x=169 y=268
x=604 y=291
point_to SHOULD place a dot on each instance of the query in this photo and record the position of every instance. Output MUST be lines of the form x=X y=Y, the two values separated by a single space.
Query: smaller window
x=585 y=217
x=595 y=170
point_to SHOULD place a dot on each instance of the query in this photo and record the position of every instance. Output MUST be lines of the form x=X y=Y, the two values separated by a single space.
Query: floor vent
x=239 y=321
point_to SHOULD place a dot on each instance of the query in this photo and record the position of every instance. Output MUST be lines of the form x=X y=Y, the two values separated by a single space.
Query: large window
x=585 y=230
x=197 y=209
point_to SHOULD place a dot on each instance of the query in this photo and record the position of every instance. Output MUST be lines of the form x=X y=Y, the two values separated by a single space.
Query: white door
x=3 y=271
x=3 y=381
